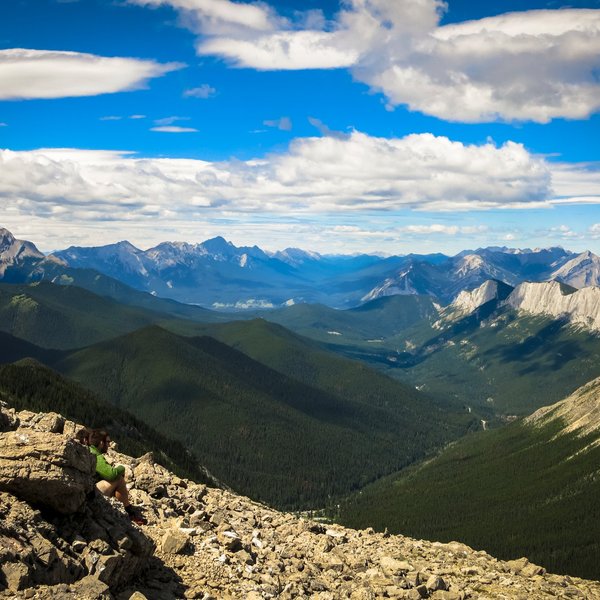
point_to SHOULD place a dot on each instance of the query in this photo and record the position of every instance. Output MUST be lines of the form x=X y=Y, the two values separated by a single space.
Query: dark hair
x=97 y=437
x=83 y=436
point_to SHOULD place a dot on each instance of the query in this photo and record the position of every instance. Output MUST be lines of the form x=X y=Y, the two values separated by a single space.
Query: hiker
x=111 y=480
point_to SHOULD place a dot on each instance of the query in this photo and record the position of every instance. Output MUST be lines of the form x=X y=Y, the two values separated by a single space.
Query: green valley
x=531 y=489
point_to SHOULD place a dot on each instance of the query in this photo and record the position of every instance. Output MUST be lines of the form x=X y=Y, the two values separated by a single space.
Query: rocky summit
x=60 y=539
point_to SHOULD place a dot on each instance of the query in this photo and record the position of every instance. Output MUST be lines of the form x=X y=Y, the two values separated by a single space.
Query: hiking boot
x=135 y=515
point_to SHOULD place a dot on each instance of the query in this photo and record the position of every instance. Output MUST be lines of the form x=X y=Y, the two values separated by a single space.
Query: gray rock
x=44 y=468
x=436 y=583
x=174 y=541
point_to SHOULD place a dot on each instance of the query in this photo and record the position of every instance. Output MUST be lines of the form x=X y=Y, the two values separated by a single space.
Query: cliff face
x=580 y=307
x=210 y=543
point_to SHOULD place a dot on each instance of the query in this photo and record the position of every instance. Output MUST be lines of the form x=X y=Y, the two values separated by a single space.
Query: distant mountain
x=581 y=271
x=469 y=269
x=530 y=488
x=216 y=274
x=15 y=252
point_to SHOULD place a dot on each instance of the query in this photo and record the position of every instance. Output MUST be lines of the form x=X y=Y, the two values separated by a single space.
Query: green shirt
x=103 y=469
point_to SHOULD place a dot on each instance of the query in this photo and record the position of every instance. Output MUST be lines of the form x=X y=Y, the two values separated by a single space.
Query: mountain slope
x=265 y=433
x=66 y=316
x=308 y=362
x=35 y=270
x=530 y=488
x=581 y=271
x=579 y=307
x=487 y=356
x=369 y=322
x=13 y=251
x=211 y=542
x=28 y=385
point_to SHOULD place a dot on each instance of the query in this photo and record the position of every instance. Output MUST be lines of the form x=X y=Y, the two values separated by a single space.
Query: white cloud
x=576 y=184
x=169 y=120
x=28 y=74
x=325 y=130
x=438 y=228
x=204 y=91
x=283 y=123
x=136 y=117
x=3 y=124
x=220 y=16
x=174 y=129
x=531 y=65
x=111 y=118
x=324 y=175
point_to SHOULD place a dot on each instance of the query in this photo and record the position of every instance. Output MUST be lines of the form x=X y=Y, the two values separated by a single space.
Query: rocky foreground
x=59 y=539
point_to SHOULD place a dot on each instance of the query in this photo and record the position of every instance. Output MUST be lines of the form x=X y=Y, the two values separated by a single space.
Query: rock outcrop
x=51 y=470
x=214 y=545
x=578 y=307
x=55 y=530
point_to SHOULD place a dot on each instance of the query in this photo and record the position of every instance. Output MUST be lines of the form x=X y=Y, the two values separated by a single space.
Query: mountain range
x=311 y=403
x=218 y=275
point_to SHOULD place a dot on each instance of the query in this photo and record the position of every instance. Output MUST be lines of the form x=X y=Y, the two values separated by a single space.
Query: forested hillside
x=28 y=385
x=267 y=434
x=522 y=490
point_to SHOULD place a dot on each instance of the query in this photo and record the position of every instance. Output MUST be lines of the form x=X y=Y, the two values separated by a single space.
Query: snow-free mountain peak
x=581 y=271
x=558 y=300
x=468 y=301
x=13 y=251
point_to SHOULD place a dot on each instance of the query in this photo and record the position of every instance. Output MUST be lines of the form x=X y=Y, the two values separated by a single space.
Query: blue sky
x=381 y=126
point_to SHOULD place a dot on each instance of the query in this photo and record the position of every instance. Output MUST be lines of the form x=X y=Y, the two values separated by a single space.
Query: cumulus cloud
x=283 y=123
x=532 y=65
x=323 y=175
x=29 y=74
x=204 y=91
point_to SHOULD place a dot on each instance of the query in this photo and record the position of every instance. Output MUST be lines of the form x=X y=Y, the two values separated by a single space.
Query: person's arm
x=107 y=472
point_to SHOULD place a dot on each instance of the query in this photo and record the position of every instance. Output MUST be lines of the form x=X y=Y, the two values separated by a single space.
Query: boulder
x=8 y=419
x=46 y=469
x=174 y=541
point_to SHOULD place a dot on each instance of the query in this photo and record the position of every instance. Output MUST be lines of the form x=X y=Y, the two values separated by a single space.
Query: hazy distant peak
x=218 y=245
x=581 y=271
x=296 y=256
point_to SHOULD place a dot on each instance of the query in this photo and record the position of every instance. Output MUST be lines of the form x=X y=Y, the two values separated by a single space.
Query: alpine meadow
x=299 y=300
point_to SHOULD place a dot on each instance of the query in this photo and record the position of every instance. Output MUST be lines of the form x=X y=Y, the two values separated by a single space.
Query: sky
x=388 y=126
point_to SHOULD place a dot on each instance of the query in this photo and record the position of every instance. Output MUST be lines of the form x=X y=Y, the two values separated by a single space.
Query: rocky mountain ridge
x=579 y=307
x=209 y=543
x=217 y=274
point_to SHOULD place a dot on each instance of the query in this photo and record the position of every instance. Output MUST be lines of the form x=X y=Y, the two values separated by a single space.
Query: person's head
x=100 y=439
x=83 y=436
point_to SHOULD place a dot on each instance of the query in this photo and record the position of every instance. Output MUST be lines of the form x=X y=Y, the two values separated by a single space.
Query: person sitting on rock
x=111 y=480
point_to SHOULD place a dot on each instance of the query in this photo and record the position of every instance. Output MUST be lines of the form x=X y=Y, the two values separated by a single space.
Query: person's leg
x=108 y=487
x=121 y=492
